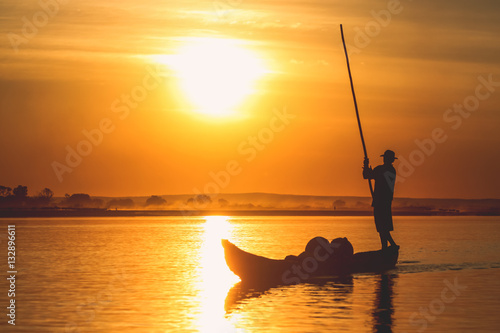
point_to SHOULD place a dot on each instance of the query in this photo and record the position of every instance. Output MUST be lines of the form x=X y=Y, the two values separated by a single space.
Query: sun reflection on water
x=215 y=277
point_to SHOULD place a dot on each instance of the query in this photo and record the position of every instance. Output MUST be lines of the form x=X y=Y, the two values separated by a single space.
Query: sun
x=215 y=74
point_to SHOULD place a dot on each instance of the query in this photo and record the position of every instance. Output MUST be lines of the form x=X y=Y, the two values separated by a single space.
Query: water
x=167 y=274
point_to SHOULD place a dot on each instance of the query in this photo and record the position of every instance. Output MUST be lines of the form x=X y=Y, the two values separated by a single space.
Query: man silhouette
x=385 y=177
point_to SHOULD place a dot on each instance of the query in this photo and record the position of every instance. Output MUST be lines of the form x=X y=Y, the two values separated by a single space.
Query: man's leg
x=383 y=239
x=389 y=238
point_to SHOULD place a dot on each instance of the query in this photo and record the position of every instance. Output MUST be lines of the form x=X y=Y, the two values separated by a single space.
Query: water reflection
x=333 y=296
x=336 y=289
x=215 y=277
x=241 y=292
x=383 y=309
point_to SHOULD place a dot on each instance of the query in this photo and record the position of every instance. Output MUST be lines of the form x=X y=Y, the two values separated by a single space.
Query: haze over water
x=167 y=274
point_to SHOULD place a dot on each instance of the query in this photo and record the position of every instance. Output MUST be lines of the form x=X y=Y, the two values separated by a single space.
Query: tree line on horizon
x=18 y=198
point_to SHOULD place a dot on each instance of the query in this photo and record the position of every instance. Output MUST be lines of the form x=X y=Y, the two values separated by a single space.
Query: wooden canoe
x=256 y=269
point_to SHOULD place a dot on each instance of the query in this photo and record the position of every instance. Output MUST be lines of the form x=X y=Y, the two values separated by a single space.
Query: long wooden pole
x=355 y=104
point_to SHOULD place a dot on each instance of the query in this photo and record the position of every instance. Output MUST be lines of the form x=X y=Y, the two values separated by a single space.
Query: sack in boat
x=342 y=247
x=317 y=244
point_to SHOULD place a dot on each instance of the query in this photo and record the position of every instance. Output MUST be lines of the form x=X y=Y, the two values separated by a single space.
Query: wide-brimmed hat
x=390 y=154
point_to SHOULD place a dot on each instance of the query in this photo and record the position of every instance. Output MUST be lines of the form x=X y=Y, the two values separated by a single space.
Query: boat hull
x=256 y=269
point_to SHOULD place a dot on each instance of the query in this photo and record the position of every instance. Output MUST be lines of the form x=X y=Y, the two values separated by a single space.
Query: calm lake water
x=167 y=274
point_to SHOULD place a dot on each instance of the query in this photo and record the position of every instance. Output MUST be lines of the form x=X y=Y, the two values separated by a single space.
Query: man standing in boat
x=385 y=178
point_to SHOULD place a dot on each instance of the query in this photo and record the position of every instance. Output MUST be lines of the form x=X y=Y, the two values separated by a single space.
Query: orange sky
x=67 y=69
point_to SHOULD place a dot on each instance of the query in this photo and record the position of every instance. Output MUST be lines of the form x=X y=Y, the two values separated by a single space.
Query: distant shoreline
x=239 y=204
x=49 y=213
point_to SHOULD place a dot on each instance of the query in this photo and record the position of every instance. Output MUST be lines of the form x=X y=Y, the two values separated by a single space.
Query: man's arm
x=367 y=170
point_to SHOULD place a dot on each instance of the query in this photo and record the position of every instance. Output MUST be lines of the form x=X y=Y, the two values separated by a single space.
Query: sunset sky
x=161 y=97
